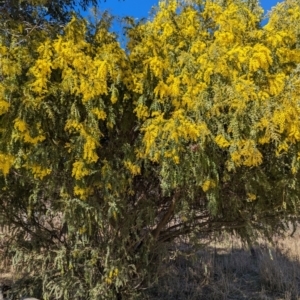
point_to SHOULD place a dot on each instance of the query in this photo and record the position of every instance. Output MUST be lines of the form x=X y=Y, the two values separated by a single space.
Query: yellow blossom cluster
x=101 y=115
x=133 y=168
x=112 y=274
x=221 y=141
x=4 y=106
x=6 y=162
x=209 y=77
x=251 y=197
x=79 y=170
x=89 y=150
x=222 y=68
x=82 y=193
x=24 y=133
x=39 y=172
x=207 y=185
x=246 y=154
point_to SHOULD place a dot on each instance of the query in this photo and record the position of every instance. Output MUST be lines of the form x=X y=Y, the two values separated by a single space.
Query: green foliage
x=37 y=10
x=109 y=155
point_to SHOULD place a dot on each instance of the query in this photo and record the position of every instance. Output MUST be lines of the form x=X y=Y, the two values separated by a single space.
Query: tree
x=108 y=155
x=37 y=10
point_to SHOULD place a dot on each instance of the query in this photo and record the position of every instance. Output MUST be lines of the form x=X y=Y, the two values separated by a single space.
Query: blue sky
x=141 y=8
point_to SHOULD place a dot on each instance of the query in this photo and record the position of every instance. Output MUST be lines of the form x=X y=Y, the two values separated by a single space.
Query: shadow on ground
x=216 y=273
x=221 y=271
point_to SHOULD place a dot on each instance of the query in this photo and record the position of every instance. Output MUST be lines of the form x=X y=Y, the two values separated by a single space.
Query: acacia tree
x=108 y=154
x=37 y=10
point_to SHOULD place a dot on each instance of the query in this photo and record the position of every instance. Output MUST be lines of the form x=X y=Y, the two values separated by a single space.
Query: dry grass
x=226 y=270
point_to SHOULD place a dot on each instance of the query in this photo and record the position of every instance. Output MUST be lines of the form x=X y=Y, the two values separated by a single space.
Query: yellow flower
x=40 y=172
x=6 y=162
x=142 y=111
x=176 y=159
x=261 y=58
x=113 y=98
x=116 y=272
x=134 y=169
x=79 y=170
x=221 y=141
x=251 y=197
x=236 y=157
x=282 y=147
x=4 y=106
x=89 y=150
x=101 y=115
x=208 y=184
x=20 y=125
x=83 y=193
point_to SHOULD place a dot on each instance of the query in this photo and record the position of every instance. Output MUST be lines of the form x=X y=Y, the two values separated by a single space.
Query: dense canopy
x=107 y=154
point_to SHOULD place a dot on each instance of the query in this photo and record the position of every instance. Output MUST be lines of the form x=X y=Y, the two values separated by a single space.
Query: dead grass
x=223 y=270
x=226 y=270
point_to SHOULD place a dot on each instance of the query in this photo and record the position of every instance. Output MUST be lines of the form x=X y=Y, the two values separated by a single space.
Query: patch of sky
x=137 y=10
